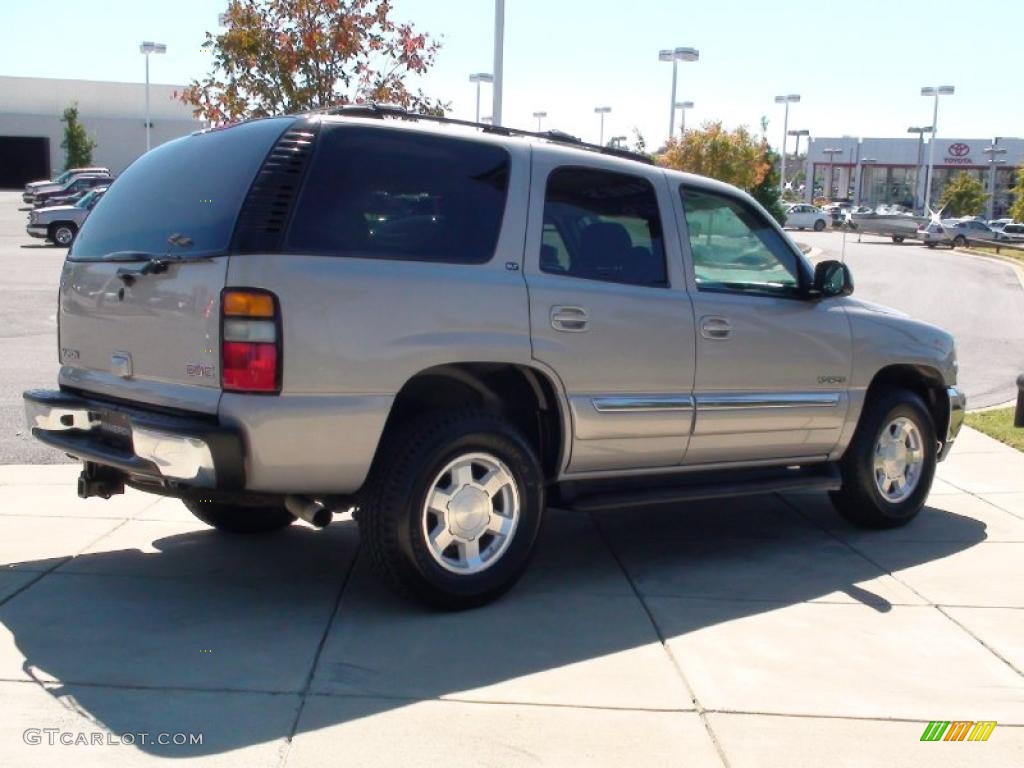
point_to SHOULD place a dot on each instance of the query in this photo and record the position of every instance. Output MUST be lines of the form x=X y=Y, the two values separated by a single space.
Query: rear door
x=609 y=313
x=155 y=338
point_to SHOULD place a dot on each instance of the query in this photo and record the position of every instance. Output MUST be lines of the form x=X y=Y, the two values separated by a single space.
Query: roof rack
x=376 y=110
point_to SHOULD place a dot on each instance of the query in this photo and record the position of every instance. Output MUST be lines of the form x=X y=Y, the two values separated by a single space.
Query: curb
x=1018 y=269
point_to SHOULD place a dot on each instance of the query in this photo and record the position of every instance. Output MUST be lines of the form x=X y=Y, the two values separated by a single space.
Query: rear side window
x=193 y=186
x=600 y=225
x=387 y=194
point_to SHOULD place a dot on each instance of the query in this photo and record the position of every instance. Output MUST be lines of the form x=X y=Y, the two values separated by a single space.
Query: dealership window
x=889 y=185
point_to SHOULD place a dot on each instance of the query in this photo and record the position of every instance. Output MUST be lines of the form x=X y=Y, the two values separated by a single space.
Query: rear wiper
x=155 y=263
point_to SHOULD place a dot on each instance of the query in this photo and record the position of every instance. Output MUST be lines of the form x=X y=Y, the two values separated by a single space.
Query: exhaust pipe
x=310 y=510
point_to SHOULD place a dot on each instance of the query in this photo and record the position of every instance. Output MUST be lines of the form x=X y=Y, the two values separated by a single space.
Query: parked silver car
x=60 y=223
x=448 y=327
x=48 y=185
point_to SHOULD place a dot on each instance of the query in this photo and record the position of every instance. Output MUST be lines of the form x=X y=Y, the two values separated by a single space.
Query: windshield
x=86 y=200
x=192 y=187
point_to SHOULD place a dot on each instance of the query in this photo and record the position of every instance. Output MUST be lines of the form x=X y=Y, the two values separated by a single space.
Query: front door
x=772 y=365
x=609 y=312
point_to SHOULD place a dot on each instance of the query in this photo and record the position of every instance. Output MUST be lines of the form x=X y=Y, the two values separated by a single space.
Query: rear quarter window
x=193 y=186
x=378 y=193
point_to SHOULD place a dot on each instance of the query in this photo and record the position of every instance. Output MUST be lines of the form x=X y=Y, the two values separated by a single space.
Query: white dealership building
x=114 y=115
x=893 y=171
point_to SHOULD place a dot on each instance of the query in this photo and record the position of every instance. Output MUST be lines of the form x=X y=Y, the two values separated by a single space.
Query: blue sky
x=858 y=66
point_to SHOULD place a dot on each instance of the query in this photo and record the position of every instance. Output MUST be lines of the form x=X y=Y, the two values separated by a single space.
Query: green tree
x=736 y=157
x=766 y=192
x=963 y=196
x=1017 y=209
x=282 y=56
x=77 y=145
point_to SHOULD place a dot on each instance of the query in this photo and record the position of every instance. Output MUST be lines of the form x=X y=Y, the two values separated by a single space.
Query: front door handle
x=715 y=328
x=569 y=319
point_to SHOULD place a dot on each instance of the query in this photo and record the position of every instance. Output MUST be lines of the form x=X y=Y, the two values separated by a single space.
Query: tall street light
x=920 y=130
x=936 y=91
x=831 y=152
x=147 y=48
x=675 y=56
x=499 y=59
x=993 y=161
x=792 y=98
x=480 y=77
x=796 y=154
x=682 y=106
x=602 y=111
x=540 y=116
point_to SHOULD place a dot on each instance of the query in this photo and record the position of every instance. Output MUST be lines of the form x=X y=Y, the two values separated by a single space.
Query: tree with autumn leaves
x=736 y=157
x=284 y=56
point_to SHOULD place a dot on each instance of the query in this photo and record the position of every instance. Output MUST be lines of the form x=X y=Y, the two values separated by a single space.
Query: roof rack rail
x=377 y=110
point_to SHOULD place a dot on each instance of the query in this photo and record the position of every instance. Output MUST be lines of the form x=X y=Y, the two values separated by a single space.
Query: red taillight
x=250 y=367
x=250 y=342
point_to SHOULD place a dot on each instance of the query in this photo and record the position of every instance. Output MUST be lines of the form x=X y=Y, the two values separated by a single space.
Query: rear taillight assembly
x=250 y=341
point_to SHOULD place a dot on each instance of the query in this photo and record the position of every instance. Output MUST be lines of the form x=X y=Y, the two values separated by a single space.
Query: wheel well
x=53 y=225
x=521 y=394
x=927 y=383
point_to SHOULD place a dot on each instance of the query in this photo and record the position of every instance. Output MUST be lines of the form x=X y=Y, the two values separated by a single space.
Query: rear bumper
x=174 y=451
x=957 y=408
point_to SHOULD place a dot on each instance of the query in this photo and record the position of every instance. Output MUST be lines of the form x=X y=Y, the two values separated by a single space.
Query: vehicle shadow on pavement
x=249 y=641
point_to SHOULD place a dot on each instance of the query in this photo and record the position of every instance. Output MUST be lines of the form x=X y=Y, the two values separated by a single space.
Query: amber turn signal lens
x=248 y=304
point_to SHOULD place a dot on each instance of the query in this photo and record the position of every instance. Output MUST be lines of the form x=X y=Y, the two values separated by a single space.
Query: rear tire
x=930 y=245
x=453 y=557
x=894 y=442
x=819 y=225
x=897 y=239
x=238 y=518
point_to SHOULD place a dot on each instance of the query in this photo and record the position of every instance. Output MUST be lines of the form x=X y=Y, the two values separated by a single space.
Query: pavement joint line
x=930 y=603
x=812 y=716
x=286 y=748
x=664 y=643
x=63 y=561
x=33 y=680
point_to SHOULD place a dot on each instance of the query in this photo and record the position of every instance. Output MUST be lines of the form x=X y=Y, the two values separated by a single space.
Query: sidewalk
x=754 y=632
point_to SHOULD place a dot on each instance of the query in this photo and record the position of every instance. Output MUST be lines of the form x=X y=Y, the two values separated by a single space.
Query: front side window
x=735 y=249
x=600 y=225
x=388 y=194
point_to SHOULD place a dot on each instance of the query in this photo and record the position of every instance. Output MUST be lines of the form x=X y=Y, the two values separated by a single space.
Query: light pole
x=147 y=48
x=831 y=152
x=480 y=77
x=682 y=106
x=602 y=111
x=920 y=130
x=936 y=91
x=675 y=56
x=994 y=162
x=499 y=59
x=792 y=98
x=540 y=116
x=796 y=154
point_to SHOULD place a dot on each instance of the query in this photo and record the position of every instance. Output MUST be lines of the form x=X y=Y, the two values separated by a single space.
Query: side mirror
x=832 y=278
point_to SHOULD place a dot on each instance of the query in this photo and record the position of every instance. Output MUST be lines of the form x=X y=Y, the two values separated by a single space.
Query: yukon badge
x=831 y=379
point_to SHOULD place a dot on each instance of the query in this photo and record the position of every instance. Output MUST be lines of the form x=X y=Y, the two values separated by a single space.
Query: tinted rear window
x=389 y=194
x=193 y=186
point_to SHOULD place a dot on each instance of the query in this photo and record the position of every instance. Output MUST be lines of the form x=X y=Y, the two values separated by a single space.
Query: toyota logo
x=959 y=149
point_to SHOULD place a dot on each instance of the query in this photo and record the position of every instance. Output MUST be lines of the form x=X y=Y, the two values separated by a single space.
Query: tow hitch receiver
x=97 y=480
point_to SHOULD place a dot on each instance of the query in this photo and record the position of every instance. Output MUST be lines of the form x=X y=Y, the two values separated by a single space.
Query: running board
x=692 y=487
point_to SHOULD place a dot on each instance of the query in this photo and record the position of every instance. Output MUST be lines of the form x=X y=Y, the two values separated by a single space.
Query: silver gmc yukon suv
x=449 y=327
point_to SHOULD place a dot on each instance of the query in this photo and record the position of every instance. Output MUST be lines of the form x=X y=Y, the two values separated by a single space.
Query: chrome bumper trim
x=957 y=409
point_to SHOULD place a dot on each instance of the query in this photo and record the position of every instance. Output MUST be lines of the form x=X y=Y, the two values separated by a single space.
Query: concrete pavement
x=753 y=632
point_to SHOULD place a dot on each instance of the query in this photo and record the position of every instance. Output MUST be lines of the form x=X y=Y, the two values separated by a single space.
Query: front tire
x=63 y=234
x=819 y=225
x=959 y=241
x=453 y=509
x=238 y=518
x=897 y=239
x=889 y=466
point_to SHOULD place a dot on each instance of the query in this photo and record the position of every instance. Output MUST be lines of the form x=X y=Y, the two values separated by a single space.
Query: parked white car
x=802 y=216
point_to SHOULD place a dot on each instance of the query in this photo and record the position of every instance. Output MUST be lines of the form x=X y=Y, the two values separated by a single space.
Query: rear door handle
x=569 y=319
x=715 y=328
